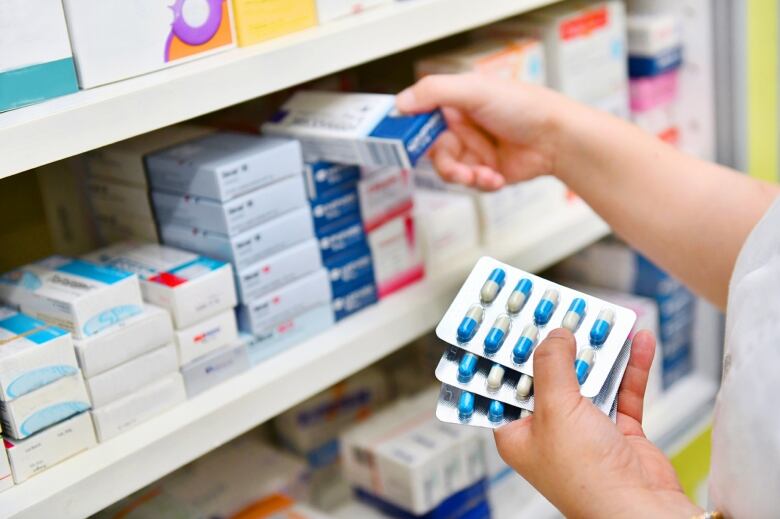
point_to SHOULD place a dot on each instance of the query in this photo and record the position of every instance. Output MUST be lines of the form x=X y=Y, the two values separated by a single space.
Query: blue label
x=51 y=415
x=101 y=273
x=649 y=66
x=335 y=207
x=417 y=132
x=200 y=261
x=354 y=301
x=109 y=317
x=470 y=503
x=340 y=237
x=36 y=83
x=324 y=178
x=38 y=378
x=349 y=269
x=33 y=329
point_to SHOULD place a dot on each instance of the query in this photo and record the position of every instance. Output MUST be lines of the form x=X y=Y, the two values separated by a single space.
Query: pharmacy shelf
x=89 y=119
x=112 y=470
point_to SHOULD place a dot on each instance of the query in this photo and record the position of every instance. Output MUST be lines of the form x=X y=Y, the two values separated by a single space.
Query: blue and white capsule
x=601 y=328
x=584 y=363
x=574 y=315
x=495 y=378
x=546 y=307
x=492 y=286
x=467 y=367
x=465 y=406
x=524 y=386
x=525 y=344
x=497 y=334
x=470 y=323
x=496 y=411
x=519 y=296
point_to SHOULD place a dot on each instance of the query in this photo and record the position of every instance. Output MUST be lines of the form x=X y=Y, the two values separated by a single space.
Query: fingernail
x=405 y=100
x=560 y=333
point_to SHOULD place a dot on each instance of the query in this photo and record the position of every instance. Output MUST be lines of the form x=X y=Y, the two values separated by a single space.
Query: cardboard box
x=360 y=296
x=41 y=451
x=6 y=479
x=447 y=225
x=132 y=376
x=131 y=338
x=36 y=63
x=206 y=336
x=246 y=249
x=32 y=354
x=80 y=296
x=329 y=10
x=397 y=255
x=214 y=368
x=125 y=413
x=223 y=165
x=334 y=207
x=260 y=20
x=107 y=196
x=52 y=403
x=190 y=287
x=232 y=217
x=278 y=270
x=159 y=38
x=341 y=236
x=650 y=34
x=351 y=128
x=117 y=225
x=322 y=178
x=385 y=194
x=350 y=268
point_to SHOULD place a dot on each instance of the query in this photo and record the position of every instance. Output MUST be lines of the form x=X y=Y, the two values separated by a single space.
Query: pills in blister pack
x=601 y=328
x=546 y=307
x=470 y=323
x=574 y=315
x=463 y=407
x=492 y=286
x=525 y=344
x=519 y=296
x=497 y=334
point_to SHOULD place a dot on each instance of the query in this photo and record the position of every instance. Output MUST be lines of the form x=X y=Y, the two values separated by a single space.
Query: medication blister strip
x=545 y=306
x=449 y=409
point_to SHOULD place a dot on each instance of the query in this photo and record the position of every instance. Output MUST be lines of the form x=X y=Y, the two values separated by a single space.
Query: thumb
x=462 y=91
x=555 y=382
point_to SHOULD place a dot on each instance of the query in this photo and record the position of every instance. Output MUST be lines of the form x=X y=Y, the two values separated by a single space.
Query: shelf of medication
x=43 y=133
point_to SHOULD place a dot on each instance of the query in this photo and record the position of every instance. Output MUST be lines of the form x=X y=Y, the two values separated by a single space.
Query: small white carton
x=189 y=286
x=206 y=336
x=107 y=196
x=396 y=253
x=32 y=354
x=384 y=194
x=132 y=376
x=447 y=224
x=49 y=447
x=80 y=296
x=116 y=225
x=278 y=270
x=214 y=368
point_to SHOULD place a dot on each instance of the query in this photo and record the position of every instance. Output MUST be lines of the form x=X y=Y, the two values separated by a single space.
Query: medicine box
x=107 y=196
x=329 y=10
x=447 y=225
x=244 y=250
x=396 y=253
x=49 y=447
x=132 y=376
x=133 y=409
x=259 y=20
x=131 y=338
x=80 y=296
x=116 y=226
x=322 y=178
x=223 y=165
x=360 y=296
x=350 y=268
x=45 y=406
x=350 y=128
x=232 y=217
x=385 y=193
x=334 y=207
x=32 y=354
x=341 y=236
x=650 y=34
x=214 y=368
x=36 y=63
x=278 y=270
x=281 y=305
x=189 y=286
x=161 y=34
x=206 y=336
x=6 y=478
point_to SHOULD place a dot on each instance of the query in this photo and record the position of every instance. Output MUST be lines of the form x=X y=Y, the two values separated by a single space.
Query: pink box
x=648 y=93
x=396 y=253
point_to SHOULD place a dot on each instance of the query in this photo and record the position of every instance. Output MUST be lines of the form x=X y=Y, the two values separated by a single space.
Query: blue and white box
x=234 y=216
x=350 y=128
x=322 y=178
x=206 y=336
x=224 y=165
x=214 y=368
x=354 y=300
x=349 y=269
x=80 y=296
x=278 y=270
x=334 y=207
x=340 y=237
x=32 y=354
x=651 y=66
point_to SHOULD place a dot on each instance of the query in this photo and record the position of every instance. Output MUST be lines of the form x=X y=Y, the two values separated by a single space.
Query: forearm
x=689 y=216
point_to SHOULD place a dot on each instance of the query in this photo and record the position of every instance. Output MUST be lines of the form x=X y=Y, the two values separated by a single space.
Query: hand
x=498 y=131
x=573 y=453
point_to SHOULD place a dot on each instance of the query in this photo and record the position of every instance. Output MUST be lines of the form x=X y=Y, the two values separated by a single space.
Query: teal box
x=29 y=85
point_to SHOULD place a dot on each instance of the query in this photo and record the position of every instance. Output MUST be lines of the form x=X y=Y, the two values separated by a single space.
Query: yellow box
x=259 y=20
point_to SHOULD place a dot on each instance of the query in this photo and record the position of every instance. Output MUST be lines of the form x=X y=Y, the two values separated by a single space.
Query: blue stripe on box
x=21 y=324
x=651 y=66
x=200 y=261
x=36 y=83
x=101 y=273
x=417 y=132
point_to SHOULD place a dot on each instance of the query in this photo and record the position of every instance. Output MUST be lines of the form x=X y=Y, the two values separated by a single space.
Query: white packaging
x=245 y=249
x=281 y=305
x=351 y=128
x=384 y=194
x=224 y=165
x=132 y=376
x=116 y=225
x=232 y=217
x=278 y=270
x=329 y=10
x=32 y=354
x=214 y=368
x=447 y=225
x=190 y=287
x=49 y=447
x=206 y=336
x=82 y=297
x=107 y=196
x=6 y=479
x=52 y=403
x=162 y=35
x=653 y=34
x=397 y=254
x=125 y=413
x=131 y=338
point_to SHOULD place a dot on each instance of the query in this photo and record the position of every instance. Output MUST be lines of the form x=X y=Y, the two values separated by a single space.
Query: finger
x=454 y=90
x=446 y=159
x=631 y=395
x=513 y=442
x=488 y=179
x=555 y=382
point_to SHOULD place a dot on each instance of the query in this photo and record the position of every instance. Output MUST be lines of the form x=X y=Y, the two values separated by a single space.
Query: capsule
x=495 y=337
x=601 y=328
x=525 y=413
x=495 y=377
x=583 y=363
x=467 y=367
x=465 y=406
x=525 y=344
x=524 y=386
x=546 y=307
x=574 y=315
x=496 y=411
x=519 y=296
x=470 y=323
x=493 y=285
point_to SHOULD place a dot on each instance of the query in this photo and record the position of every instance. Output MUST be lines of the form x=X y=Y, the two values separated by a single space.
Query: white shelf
x=63 y=127
x=112 y=470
